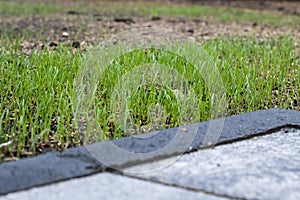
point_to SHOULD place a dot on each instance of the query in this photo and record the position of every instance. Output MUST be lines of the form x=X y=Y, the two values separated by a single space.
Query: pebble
x=65 y=34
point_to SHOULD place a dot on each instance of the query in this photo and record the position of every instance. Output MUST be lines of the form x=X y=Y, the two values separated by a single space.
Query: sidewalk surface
x=266 y=166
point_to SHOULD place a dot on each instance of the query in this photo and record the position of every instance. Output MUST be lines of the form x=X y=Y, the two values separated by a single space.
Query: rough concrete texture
x=175 y=141
x=46 y=168
x=266 y=167
x=52 y=167
x=107 y=186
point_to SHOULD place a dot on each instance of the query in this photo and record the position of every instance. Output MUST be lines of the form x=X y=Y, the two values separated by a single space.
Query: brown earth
x=72 y=27
x=53 y=31
x=285 y=6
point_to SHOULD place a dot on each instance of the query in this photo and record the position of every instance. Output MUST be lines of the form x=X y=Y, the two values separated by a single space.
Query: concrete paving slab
x=107 y=186
x=135 y=150
x=266 y=167
x=76 y=162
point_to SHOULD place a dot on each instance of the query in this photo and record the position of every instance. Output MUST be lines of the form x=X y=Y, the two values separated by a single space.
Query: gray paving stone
x=51 y=167
x=107 y=186
x=170 y=142
x=266 y=167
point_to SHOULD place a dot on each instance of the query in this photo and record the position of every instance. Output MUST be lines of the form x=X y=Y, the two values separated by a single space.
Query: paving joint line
x=180 y=186
x=54 y=167
x=260 y=134
x=227 y=142
x=247 y=137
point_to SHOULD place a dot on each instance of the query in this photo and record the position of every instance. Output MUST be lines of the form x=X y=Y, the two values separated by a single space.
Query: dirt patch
x=65 y=29
x=287 y=7
x=73 y=26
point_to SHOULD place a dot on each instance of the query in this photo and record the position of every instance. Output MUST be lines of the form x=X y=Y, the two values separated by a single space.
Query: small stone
x=280 y=8
x=52 y=44
x=125 y=20
x=190 y=30
x=65 y=34
x=64 y=28
x=156 y=18
x=76 y=44
x=73 y=12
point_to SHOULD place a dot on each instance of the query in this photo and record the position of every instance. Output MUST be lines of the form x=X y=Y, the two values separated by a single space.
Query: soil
x=285 y=6
x=93 y=27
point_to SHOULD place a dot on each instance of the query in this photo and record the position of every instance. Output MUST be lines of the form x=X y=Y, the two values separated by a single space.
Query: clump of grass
x=25 y=8
x=35 y=100
x=36 y=92
x=258 y=74
x=160 y=86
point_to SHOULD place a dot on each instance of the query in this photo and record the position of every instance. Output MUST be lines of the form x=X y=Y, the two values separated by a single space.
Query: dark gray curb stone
x=53 y=167
x=46 y=168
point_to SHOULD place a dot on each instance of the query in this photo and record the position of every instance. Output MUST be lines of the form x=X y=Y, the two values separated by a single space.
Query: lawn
x=38 y=102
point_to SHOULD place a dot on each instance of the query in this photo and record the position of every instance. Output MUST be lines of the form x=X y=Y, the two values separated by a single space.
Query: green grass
x=25 y=8
x=35 y=97
x=147 y=87
x=148 y=9
x=258 y=75
x=37 y=94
